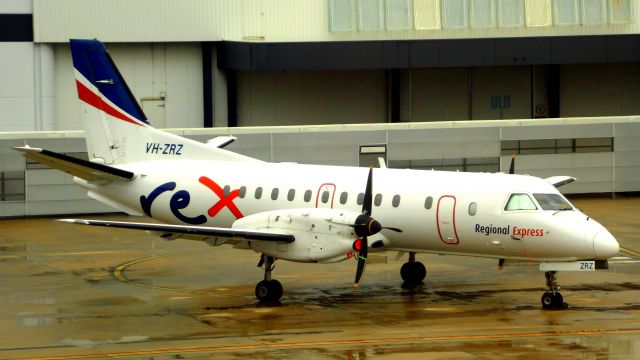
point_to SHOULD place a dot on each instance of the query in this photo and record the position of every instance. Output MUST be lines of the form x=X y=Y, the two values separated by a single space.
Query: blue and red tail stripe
x=101 y=85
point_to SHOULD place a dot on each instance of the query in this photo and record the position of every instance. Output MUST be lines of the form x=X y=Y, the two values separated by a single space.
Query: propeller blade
x=392 y=229
x=362 y=261
x=512 y=167
x=366 y=203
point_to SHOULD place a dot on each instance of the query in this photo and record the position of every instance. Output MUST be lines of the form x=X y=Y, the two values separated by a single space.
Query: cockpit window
x=552 y=202
x=520 y=202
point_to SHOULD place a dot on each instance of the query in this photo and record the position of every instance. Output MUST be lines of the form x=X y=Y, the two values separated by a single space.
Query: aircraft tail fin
x=116 y=129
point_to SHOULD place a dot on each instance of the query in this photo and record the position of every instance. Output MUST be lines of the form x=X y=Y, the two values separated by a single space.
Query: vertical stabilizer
x=116 y=129
x=112 y=116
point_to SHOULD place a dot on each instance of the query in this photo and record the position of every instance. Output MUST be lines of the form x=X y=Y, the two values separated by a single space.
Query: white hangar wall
x=312 y=20
x=166 y=78
x=27 y=83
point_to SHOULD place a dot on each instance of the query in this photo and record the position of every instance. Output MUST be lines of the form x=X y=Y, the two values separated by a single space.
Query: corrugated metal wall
x=47 y=191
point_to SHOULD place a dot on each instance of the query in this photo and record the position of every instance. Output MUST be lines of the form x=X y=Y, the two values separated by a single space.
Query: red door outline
x=329 y=186
x=455 y=231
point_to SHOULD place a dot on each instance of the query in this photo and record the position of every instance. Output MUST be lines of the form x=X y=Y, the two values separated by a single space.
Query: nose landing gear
x=552 y=299
x=268 y=290
x=413 y=272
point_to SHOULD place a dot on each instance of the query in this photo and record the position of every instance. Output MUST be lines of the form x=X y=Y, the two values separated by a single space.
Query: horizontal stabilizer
x=194 y=232
x=84 y=169
x=558 y=181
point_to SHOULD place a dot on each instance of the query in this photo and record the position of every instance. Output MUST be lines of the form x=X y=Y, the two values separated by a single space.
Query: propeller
x=366 y=226
x=512 y=167
x=512 y=170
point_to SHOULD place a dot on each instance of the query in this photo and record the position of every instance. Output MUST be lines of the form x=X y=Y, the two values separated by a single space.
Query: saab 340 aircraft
x=312 y=213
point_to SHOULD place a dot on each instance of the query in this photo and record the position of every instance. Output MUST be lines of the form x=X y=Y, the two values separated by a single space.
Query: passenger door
x=446 y=219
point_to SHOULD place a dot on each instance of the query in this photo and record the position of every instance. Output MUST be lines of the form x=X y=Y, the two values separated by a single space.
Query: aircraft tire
x=413 y=272
x=552 y=300
x=269 y=291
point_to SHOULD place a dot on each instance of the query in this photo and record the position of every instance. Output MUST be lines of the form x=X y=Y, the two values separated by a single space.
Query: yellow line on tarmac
x=119 y=274
x=630 y=252
x=346 y=342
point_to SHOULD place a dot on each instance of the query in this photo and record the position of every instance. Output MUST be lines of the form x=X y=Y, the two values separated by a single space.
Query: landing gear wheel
x=413 y=272
x=553 y=300
x=269 y=290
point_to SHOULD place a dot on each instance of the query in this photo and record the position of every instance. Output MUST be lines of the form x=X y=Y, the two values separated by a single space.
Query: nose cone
x=605 y=245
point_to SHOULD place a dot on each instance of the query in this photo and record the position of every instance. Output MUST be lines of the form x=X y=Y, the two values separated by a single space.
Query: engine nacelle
x=321 y=235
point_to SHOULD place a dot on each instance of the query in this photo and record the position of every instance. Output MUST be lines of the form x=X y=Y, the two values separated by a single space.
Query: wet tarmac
x=78 y=292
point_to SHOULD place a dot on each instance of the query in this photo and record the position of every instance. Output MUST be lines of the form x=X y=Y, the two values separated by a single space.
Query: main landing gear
x=268 y=290
x=413 y=272
x=552 y=299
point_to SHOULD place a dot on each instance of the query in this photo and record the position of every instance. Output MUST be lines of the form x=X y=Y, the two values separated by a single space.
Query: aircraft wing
x=211 y=235
x=558 y=181
x=84 y=169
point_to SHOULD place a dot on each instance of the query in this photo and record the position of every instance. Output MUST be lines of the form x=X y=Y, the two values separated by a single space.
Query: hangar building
x=443 y=84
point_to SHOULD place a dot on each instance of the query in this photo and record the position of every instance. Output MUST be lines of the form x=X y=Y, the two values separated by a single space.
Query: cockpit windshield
x=520 y=202
x=552 y=202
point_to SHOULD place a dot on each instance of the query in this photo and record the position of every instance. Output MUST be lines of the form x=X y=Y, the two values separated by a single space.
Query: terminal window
x=342 y=15
x=594 y=12
x=426 y=14
x=511 y=13
x=12 y=186
x=454 y=14
x=399 y=15
x=557 y=146
x=370 y=16
x=483 y=13
x=481 y=164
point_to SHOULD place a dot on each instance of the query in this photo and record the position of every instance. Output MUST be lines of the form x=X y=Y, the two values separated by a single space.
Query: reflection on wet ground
x=81 y=292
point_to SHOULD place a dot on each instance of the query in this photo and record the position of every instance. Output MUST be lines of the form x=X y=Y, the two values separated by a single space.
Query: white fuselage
x=439 y=212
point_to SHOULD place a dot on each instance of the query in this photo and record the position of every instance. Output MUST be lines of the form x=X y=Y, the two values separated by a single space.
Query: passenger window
x=274 y=193
x=473 y=208
x=291 y=194
x=258 y=193
x=243 y=192
x=428 y=202
x=307 y=196
x=377 y=200
x=360 y=199
x=325 y=196
x=395 y=202
x=520 y=202
x=226 y=190
x=343 y=197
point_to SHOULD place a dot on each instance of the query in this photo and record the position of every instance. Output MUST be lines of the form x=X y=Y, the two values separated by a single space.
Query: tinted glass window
x=258 y=192
x=360 y=198
x=226 y=190
x=473 y=208
x=274 y=193
x=291 y=194
x=243 y=192
x=552 y=202
x=395 y=202
x=343 y=198
x=520 y=202
x=377 y=200
x=428 y=202
x=307 y=196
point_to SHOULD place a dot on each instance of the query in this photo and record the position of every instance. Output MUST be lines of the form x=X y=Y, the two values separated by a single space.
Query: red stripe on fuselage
x=96 y=101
